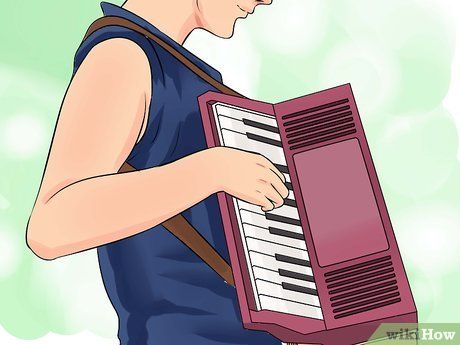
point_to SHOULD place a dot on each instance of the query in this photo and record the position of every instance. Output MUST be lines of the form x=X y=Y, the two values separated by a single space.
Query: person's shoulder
x=119 y=58
x=118 y=44
x=121 y=51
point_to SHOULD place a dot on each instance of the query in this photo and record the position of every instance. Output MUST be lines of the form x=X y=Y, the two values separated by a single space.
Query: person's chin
x=224 y=32
x=228 y=35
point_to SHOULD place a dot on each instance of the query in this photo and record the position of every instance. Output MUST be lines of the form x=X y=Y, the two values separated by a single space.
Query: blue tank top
x=162 y=292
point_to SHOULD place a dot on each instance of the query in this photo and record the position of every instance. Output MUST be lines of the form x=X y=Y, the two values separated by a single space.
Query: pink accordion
x=325 y=267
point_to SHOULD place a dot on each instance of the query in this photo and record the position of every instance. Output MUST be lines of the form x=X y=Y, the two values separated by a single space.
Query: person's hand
x=248 y=176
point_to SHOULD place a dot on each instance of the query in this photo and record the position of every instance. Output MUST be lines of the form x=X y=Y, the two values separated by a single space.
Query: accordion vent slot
x=322 y=123
x=362 y=287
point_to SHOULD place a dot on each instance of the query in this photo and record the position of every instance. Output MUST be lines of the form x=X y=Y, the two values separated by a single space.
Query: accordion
x=325 y=267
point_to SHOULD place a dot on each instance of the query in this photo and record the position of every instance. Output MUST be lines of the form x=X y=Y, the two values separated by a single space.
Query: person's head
x=219 y=16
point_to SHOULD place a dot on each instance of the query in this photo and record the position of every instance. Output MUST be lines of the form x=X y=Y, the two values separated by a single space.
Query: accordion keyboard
x=275 y=249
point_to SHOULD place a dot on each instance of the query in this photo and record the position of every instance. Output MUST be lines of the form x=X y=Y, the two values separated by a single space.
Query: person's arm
x=83 y=203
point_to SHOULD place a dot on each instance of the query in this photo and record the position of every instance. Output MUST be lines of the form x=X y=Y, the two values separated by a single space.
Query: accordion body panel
x=359 y=278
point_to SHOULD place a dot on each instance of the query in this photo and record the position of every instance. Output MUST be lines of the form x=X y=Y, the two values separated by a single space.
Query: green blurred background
x=399 y=56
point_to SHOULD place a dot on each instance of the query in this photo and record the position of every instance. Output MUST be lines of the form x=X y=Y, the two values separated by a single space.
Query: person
x=130 y=100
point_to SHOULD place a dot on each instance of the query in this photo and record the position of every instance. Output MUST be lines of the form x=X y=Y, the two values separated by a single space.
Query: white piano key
x=269 y=262
x=242 y=205
x=240 y=141
x=264 y=234
x=272 y=249
x=240 y=127
x=240 y=114
x=288 y=307
x=275 y=290
x=260 y=220
x=287 y=177
x=284 y=211
x=274 y=277
x=246 y=252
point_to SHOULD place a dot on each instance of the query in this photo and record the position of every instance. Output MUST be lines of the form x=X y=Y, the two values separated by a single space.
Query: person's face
x=219 y=16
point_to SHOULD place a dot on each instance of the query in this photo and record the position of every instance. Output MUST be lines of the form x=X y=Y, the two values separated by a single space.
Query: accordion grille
x=362 y=287
x=318 y=124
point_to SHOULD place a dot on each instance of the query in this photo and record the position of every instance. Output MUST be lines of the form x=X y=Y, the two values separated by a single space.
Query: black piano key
x=301 y=289
x=295 y=275
x=287 y=220
x=290 y=202
x=259 y=125
x=291 y=260
x=263 y=139
x=285 y=233
x=282 y=168
x=289 y=185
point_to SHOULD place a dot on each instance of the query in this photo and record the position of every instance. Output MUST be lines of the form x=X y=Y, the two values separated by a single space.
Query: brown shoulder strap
x=123 y=22
x=187 y=234
x=178 y=225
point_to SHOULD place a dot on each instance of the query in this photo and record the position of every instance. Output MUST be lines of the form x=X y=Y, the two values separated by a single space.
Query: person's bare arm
x=83 y=203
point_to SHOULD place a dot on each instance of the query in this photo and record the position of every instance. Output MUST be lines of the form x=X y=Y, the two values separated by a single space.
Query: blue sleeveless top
x=162 y=292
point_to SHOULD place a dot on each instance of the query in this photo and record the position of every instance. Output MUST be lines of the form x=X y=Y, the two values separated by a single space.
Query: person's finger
x=263 y=202
x=268 y=164
x=280 y=187
x=267 y=209
x=272 y=194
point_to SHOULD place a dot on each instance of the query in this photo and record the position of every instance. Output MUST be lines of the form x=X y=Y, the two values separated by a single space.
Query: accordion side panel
x=354 y=255
x=341 y=205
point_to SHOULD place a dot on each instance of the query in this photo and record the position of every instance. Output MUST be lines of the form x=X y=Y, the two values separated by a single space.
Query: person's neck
x=177 y=18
